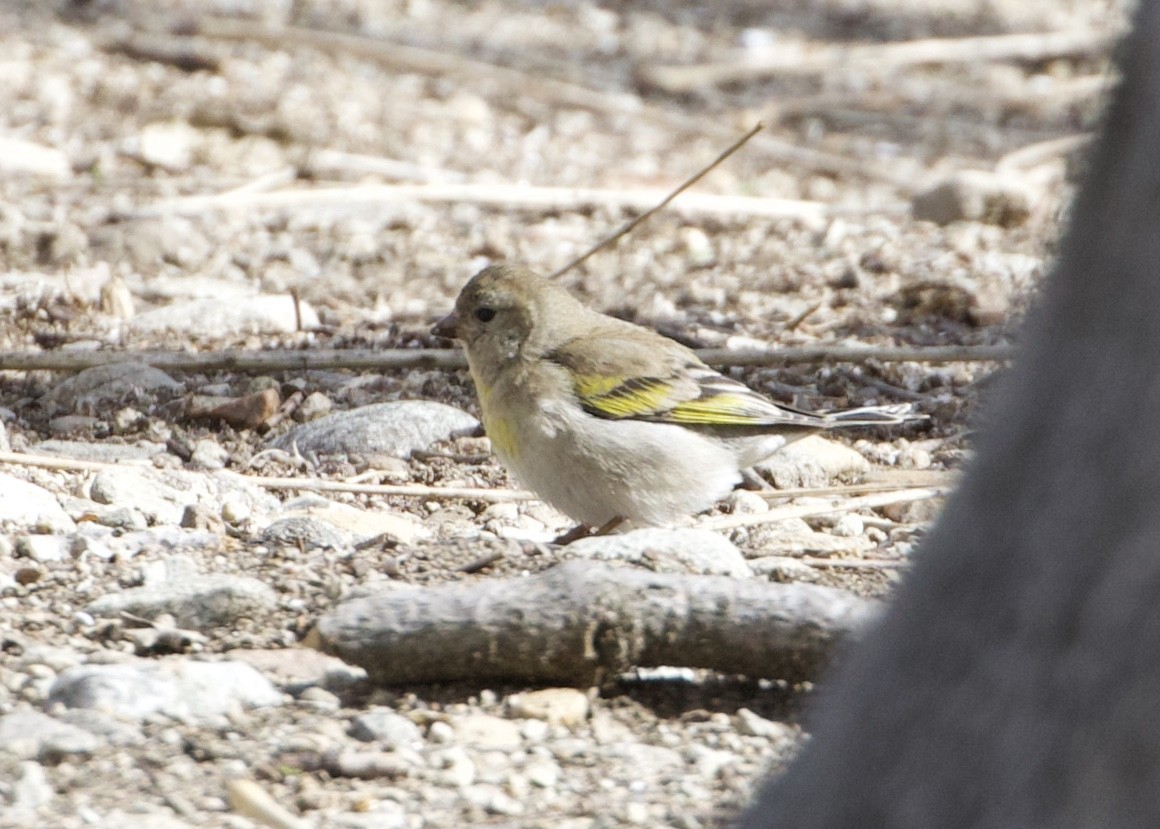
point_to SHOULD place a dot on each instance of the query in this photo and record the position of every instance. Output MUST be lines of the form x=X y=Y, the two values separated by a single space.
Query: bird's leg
x=584 y=531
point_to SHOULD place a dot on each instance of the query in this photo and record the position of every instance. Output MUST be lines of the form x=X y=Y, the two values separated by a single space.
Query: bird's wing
x=627 y=376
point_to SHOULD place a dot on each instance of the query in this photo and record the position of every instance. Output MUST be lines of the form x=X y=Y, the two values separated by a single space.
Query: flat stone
x=142 y=451
x=484 y=731
x=565 y=706
x=163 y=494
x=24 y=158
x=32 y=734
x=29 y=506
x=91 y=390
x=387 y=727
x=325 y=523
x=666 y=551
x=199 y=602
x=214 y=317
x=974 y=195
x=397 y=429
x=813 y=462
x=180 y=688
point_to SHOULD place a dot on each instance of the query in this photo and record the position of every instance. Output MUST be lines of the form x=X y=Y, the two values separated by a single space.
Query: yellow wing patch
x=639 y=397
x=718 y=410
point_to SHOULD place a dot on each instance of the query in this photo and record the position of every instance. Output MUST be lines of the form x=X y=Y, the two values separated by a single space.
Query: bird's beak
x=447 y=327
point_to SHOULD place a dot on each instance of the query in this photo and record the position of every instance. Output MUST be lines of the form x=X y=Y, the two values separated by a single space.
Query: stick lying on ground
x=1015 y=681
x=581 y=622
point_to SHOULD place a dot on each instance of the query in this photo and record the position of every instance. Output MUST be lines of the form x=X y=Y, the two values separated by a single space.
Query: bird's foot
x=584 y=531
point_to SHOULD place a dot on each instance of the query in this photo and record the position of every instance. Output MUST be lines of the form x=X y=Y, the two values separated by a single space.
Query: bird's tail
x=874 y=415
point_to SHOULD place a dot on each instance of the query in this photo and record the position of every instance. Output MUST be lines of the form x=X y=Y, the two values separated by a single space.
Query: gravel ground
x=152 y=600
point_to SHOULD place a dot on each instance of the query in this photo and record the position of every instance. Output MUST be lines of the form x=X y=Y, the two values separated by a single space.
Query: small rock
x=43 y=548
x=94 y=388
x=199 y=602
x=141 y=451
x=24 y=158
x=32 y=790
x=484 y=731
x=235 y=511
x=208 y=454
x=974 y=195
x=387 y=727
x=247 y=412
x=667 y=550
x=849 y=526
x=785 y=569
x=313 y=407
x=306 y=533
x=27 y=575
x=397 y=429
x=31 y=734
x=543 y=773
x=915 y=512
x=697 y=246
x=166 y=144
x=28 y=505
x=493 y=800
x=117 y=299
x=813 y=462
x=565 y=706
x=218 y=318
x=163 y=494
x=69 y=425
x=323 y=523
x=180 y=688
x=755 y=725
x=440 y=732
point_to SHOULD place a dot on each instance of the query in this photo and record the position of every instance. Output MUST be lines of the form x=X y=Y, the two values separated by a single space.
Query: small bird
x=609 y=422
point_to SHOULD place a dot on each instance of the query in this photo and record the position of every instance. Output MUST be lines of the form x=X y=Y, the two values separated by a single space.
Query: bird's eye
x=485 y=314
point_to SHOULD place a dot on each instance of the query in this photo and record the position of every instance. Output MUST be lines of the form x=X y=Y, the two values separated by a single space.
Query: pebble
x=754 y=725
x=32 y=790
x=315 y=405
x=387 y=727
x=26 y=158
x=200 y=602
x=813 y=462
x=43 y=548
x=848 y=526
x=396 y=429
x=483 y=731
x=320 y=522
x=974 y=195
x=666 y=550
x=163 y=494
x=208 y=454
x=564 y=706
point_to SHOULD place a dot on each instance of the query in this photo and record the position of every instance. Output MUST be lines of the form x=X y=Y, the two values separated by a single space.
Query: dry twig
x=806 y=510
x=450 y=359
x=584 y=622
x=510 y=196
x=685 y=185
x=815 y=58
